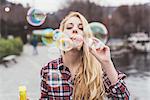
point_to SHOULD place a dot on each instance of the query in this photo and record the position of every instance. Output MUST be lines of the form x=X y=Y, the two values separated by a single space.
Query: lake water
x=137 y=69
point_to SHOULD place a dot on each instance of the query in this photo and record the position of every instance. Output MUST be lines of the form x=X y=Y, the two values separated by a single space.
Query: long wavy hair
x=88 y=82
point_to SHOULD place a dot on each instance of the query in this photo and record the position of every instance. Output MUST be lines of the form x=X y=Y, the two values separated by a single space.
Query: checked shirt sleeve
x=117 y=91
x=44 y=90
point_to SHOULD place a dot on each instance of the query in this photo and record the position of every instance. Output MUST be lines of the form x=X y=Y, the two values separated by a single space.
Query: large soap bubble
x=35 y=17
x=99 y=30
x=56 y=38
x=94 y=43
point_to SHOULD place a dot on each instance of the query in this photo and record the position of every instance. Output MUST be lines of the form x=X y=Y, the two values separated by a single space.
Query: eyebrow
x=70 y=23
x=80 y=24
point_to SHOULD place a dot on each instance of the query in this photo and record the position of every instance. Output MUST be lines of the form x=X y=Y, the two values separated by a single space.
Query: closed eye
x=80 y=26
x=69 y=26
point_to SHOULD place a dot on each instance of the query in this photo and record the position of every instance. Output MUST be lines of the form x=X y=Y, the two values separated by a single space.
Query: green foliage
x=10 y=47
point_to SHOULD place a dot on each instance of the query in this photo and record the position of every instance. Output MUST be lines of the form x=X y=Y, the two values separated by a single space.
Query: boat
x=117 y=47
x=139 y=41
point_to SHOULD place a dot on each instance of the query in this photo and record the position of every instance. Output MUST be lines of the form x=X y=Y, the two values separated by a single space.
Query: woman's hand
x=102 y=54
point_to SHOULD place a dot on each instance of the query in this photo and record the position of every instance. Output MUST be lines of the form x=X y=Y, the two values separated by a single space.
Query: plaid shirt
x=56 y=83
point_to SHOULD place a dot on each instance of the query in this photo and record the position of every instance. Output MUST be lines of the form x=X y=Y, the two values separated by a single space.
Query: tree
x=141 y=18
x=86 y=8
x=121 y=21
x=130 y=19
x=2 y=1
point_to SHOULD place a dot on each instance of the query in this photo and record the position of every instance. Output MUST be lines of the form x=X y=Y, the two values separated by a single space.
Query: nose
x=75 y=29
x=75 y=32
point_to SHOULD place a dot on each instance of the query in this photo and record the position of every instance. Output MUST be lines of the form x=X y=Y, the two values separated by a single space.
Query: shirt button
x=115 y=87
x=114 y=90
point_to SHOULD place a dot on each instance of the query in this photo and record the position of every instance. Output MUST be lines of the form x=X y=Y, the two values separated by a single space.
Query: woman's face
x=74 y=27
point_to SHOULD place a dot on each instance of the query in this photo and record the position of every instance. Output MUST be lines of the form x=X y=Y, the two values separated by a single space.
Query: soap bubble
x=65 y=44
x=99 y=30
x=35 y=17
x=94 y=43
x=58 y=34
x=46 y=35
x=77 y=40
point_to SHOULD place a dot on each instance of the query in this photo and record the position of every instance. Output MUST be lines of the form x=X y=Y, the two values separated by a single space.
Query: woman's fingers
x=100 y=49
x=103 y=48
x=94 y=52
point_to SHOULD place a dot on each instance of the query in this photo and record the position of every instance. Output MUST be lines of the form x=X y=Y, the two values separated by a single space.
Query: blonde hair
x=88 y=82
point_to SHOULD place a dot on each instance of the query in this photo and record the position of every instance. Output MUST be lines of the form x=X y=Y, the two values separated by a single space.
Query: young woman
x=82 y=73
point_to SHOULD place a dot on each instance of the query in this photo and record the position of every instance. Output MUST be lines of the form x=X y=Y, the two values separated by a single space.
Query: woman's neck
x=72 y=58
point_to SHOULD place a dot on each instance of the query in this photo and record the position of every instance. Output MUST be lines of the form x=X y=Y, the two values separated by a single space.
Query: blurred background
x=128 y=24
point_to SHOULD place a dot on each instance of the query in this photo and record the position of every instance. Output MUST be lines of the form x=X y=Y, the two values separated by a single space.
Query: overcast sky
x=54 y=5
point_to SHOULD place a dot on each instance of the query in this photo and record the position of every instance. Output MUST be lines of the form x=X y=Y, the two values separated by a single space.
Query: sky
x=54 y=5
